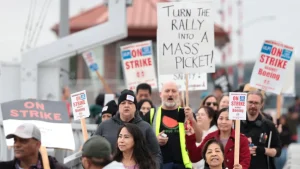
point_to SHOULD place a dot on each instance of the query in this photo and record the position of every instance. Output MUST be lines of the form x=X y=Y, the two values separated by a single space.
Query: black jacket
x=109 y=129
x=52 y=161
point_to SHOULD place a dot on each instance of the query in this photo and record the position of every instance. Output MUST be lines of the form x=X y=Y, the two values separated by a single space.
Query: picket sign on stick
x=237 y=111
x=89 y=58
x=84 y=130
x=182 y=97
x=44 y=153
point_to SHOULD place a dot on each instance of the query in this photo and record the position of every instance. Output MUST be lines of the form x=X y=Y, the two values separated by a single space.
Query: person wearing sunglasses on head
x=210 y=101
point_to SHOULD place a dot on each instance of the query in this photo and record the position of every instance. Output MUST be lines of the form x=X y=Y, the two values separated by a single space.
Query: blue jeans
x=280 y=161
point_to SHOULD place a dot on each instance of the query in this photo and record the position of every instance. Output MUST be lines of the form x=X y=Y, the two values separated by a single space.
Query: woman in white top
x=206 y=120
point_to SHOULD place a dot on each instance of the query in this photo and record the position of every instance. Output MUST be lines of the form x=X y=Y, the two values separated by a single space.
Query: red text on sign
x=79 y=103
x=237 y=103
x=37 y=114
x=138 y=63
x=273 y=61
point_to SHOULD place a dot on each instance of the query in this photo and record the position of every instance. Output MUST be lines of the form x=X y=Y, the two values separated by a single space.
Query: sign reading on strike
x=89 y=58
x=80 y=105
x=197 y=81
x=51 y=117
x=237 y=106
x=138 y=64
x=185 y=37
x=271 y=68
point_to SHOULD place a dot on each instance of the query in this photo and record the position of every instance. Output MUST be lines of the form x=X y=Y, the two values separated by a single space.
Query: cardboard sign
x=138 y=64
x=51 y=117
x=220 y=78
x=185 y=37
x=80 y=105
x=271 y=68
x=197 y=81
x=89 y=58
x=237 y=106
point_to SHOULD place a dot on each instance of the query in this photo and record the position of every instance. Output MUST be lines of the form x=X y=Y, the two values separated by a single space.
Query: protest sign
x=270 y=70
x=80 y=105
x=89 y=58
x=288 y=89
x=51 y=117
x=196 y=81
x=237 y=106
x=138 y=64
x=220 y=78
x=185 y=37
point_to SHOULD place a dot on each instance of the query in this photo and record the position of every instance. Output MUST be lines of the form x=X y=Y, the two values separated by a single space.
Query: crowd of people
x=135 y=134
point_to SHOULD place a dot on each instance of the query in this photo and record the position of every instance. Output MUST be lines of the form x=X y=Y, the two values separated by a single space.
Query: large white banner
x=270 y=71
x=185 y=37
x=138 y=64
x=197 y=81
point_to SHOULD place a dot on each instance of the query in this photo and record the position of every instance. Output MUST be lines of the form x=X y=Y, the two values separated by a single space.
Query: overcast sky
x=283 y=26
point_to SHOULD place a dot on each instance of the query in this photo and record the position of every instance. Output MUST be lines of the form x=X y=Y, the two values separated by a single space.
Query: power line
x=28 y=22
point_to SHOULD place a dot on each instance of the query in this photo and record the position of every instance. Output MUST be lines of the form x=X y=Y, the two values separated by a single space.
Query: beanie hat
x=127 y=95
x=110 y=107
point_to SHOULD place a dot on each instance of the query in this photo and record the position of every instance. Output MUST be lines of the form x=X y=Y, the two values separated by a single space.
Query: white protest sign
x=80 y=105
x=289 y=88
x=89 y=58
x=138 y=64
x=185 y=37
x=197 y=81
x=237 y=106
x=271 y=68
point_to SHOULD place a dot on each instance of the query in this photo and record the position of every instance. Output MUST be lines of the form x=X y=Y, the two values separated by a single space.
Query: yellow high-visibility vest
x=156 y=126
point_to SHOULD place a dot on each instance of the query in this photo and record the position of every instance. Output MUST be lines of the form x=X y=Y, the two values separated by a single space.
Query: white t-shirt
x=114 y=165
x=200 y=164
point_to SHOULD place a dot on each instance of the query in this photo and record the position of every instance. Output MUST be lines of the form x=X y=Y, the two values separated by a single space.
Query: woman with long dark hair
x=213 y=154
x=210 y=101
x=143 y=108
x=132 y=150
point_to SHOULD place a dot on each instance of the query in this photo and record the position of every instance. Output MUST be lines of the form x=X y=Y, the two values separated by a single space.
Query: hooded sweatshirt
x=109 y=129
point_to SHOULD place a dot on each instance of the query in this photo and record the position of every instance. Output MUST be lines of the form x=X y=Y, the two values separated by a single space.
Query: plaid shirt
x=37 y=166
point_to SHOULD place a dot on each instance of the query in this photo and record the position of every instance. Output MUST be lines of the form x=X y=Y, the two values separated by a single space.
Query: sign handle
x=182 y=97
x=43 y=151
x=106 y=87
x=278 y=104
x=237 y=142
x=186 y=89
x=84 y=130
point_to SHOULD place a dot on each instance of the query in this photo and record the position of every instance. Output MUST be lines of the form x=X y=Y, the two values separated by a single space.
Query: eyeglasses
x=253 y=103
x=211 y=103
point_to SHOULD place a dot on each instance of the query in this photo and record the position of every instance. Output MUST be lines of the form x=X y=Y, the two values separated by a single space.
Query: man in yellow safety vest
x=168 y=125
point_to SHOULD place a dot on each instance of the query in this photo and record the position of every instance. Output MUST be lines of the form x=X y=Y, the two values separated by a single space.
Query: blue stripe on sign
x=286 y=54
x=126 y=54
x=146 y=51
x=266 y=48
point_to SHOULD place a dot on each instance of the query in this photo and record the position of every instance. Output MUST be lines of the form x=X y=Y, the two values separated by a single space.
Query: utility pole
x=64 y=30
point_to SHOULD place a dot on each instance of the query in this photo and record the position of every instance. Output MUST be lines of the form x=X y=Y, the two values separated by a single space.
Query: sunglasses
x=211 y=103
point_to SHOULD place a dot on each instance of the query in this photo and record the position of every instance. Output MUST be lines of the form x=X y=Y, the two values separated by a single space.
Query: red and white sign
x=237 y=106
x=90 y=60
x=138 y=64
x=271 y=68
x=80 y=105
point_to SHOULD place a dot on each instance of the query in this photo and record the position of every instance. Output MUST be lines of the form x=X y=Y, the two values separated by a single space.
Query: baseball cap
x=96 y=146
x=26 y=131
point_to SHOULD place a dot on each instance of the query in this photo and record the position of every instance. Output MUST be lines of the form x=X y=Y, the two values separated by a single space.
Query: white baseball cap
x=26 y=131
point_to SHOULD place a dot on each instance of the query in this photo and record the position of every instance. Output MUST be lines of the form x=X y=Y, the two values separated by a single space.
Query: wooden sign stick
x=187 y=90
x=278 y=108
x=44 y=153
x=237 y=142
x=84 y=130
x=182 y=97
x=106 y=87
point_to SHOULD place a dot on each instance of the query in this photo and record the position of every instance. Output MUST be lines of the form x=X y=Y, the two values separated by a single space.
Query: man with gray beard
x=168 y=125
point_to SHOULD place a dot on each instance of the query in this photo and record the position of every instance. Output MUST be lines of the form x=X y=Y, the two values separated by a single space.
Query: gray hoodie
x=109 y=129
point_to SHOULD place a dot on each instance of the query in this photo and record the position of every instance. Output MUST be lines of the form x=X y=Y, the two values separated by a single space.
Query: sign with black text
x=220 y=78
x=185 y=37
